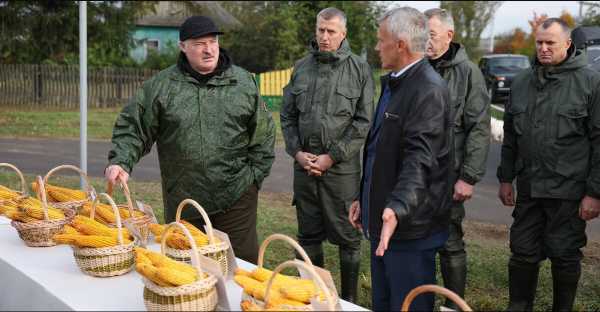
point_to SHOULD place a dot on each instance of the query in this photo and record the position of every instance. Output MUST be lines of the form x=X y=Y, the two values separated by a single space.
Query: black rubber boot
x=454 y=273
x=349 y=270
x=315 y=253
x=564 y=282
x=522 y=284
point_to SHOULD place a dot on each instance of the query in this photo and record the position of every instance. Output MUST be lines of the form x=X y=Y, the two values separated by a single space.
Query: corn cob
x=96 y=241
x=106 y=212
x=6 y=193
x=263 y=275
x=151 y=273
x=61 y=194
x=156 y=229
x=19 y=216
x=92 y=227
x=242 y=272
x=9 y=205
x=260 y=292
x=70 y=230
x=301 y=292
x=277 y=303
x=175 y=277
x=124 y=212
x=248 y=305
x=247 y=283
x=67 y=239
x=38 y=213
x=160 y=260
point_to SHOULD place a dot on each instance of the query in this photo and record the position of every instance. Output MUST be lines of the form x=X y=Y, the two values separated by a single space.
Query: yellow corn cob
x=61 y=194
x=175 y=277
x=6 y=193
x=247 y=283
x=142 y=258
x=106 y=212
x=38 y=213
x=193 y=230
x=156 y=229
x=160 y=260
x=260 y=292
x=9 y=205
x=279 y=302
x=301 y=292
x=19 y=216
x=124 y=212
x=242 y=272
x=67 y=239
x=263 y=275
x=92 y=227
x=70 y=230
x=97 y=241
x=248 y=305
x=151 y=273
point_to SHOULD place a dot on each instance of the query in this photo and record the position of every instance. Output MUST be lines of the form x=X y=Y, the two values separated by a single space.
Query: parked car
x=588 y=38
x=499 y=70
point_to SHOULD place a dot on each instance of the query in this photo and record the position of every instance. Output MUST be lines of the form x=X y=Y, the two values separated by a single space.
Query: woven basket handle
x=20 y=174
x=315 y=277
x=170 y=228
x=88 y=186
x=115 y=211
x=438 y=290
x=126 y=192
x=42 y=195
x=285 y=238
x=209 y=228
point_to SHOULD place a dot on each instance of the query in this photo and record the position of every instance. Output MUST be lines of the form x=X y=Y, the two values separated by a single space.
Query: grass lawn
x=486 y=246
x=65 y=124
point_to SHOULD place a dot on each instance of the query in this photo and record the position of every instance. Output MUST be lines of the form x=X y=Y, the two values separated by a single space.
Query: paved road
x=37 y=156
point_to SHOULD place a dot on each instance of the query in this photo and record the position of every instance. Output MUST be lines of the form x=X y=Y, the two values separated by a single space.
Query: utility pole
x=492 y=35
x=83 y=84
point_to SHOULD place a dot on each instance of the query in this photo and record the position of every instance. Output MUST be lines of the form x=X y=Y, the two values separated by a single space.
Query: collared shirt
x=384 y=99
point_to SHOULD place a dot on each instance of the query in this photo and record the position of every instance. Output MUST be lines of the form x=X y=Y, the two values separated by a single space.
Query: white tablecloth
x=47 y=278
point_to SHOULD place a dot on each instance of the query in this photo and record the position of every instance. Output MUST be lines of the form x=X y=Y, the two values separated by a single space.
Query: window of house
x=152 y=45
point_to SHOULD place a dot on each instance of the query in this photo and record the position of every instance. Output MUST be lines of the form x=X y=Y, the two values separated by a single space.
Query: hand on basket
x=114 y=173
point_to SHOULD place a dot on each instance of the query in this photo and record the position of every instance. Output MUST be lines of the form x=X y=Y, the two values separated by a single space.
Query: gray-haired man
x=471 y=107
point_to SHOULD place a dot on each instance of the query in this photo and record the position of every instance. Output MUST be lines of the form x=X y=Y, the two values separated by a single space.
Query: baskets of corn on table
x=170 y=285
x=62 y=197
x=208 y=244
x=8 y=194
x=265 y=289
x=98 y=249
x=36 y=221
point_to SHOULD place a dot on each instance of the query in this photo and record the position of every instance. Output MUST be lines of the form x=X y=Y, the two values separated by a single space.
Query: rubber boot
x=454 y=273
x=564 y=282
x=522 y=284
x=315 y=253
x=349 y=269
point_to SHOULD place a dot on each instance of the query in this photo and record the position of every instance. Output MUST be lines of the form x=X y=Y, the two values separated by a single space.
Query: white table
x=47 y=278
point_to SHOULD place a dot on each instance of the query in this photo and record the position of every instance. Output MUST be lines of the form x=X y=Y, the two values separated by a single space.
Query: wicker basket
x=40 y=233
x=23 y=192
x=88 y=189
x=215 y=251
x=330 y=299
x=438 y=290
x=333 y=299
x=198 y=296
x=138 y=226
x=106 y=261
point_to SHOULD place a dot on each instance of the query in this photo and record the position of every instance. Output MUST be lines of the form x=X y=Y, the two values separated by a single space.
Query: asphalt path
x=38 y=156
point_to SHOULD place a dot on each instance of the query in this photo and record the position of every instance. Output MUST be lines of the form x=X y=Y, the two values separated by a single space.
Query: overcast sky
x=511 y=14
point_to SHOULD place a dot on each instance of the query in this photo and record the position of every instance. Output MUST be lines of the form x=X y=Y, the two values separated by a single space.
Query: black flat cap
x=197 y=26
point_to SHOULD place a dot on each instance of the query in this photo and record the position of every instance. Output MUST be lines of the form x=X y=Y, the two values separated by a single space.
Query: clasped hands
x=313 y=164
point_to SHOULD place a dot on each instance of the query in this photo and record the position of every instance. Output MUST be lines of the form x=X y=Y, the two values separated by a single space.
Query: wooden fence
x=25 y=86
x=54 y=86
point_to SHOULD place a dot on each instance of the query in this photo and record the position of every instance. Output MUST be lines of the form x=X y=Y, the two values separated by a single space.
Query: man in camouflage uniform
x=325 y=118
x=471 y=108
x=214 y=136
x=552 y=147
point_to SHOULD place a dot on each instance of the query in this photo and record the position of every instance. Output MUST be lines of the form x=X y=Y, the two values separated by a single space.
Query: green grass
x=486 y=246
x=497 y=114
x=65 y=124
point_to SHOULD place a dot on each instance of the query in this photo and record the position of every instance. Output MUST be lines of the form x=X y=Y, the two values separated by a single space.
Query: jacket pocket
x=301 y=98
x=571 y=122
x=344 y=103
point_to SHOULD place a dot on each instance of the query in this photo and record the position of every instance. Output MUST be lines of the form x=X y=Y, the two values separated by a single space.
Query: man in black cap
x=213 y=134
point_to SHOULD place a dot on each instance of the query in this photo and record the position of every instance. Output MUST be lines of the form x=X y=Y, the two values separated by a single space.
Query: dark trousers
x=400 y=270
x=322 y=205
x=547 y=228
x=239 y=223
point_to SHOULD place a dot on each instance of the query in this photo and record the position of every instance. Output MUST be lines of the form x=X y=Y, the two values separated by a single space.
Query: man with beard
x=214 y=136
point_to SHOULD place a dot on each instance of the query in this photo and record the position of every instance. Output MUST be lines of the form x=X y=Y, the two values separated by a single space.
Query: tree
x=592 y=15
x=470 y=19
x=47 y=31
